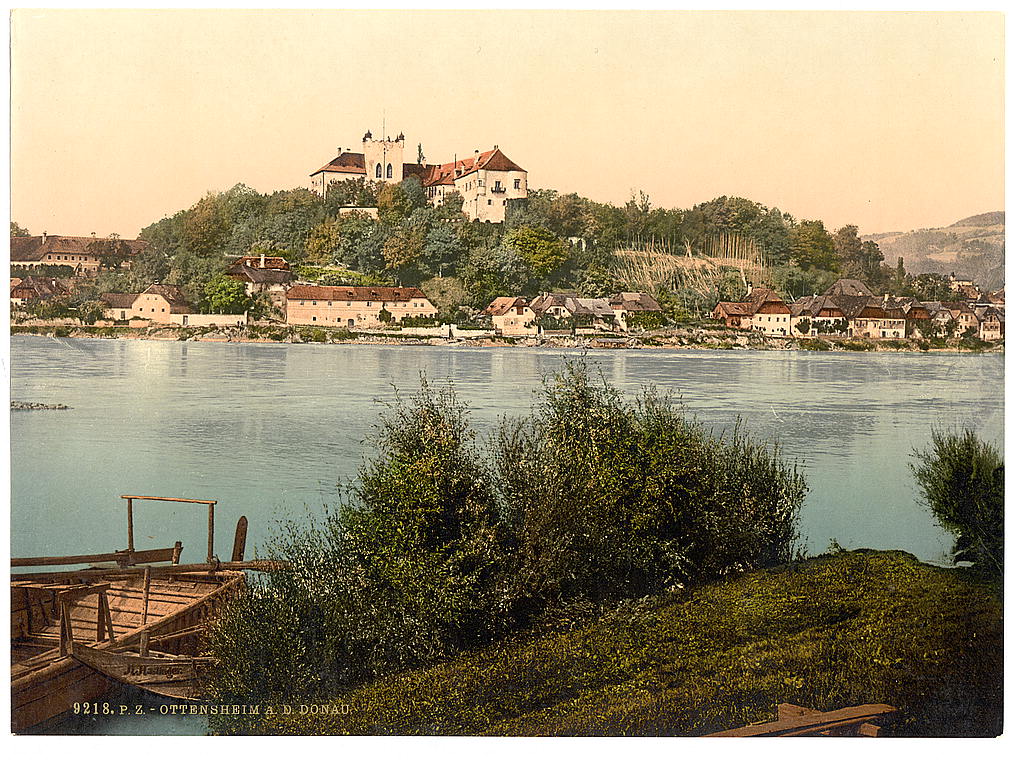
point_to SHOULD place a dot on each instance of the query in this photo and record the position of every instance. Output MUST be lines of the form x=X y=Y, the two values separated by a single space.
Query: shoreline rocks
x=27 y=406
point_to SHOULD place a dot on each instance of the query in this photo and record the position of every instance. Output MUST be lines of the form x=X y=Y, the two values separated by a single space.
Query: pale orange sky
x=890 y=121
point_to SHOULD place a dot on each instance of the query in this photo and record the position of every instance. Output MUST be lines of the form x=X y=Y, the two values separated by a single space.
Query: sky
x=889 y=121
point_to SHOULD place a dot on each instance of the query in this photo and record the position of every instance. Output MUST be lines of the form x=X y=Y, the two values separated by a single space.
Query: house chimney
x=44 y=237
x=340 y=151
x=263 y=260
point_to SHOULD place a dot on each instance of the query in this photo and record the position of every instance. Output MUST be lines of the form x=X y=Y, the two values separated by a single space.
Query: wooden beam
x=123 y=557
x=147 y=577
x=256 y=565
x=800 y=725
x=169 y=498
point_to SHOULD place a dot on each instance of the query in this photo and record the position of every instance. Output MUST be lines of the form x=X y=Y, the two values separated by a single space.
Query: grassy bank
x=849 y=628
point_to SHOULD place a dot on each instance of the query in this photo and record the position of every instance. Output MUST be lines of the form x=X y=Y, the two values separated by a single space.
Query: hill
x=974 y=247
x=838 y=630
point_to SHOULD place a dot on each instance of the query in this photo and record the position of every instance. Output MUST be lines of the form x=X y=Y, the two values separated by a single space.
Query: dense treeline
x=549 y=241
x=442 y=545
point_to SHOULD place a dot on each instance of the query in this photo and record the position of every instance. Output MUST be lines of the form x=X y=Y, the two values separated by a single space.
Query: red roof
x=33 y=248
x=492 y=160
x=343 y=293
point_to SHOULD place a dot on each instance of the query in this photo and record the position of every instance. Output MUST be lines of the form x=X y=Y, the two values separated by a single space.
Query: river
x=269 y=430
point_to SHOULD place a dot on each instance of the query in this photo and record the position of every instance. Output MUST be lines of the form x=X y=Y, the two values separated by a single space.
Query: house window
x=515 y=184
x=314 y=303
x=314 y=319
x=488 y=201
x=389 y=171
x=330 y=303
x=369 y=303
x=379 y=171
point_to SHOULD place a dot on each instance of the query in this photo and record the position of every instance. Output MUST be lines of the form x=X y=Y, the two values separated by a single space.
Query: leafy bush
x=815 y=344
x=610 y=500
x=961 y=479
x=404 y=573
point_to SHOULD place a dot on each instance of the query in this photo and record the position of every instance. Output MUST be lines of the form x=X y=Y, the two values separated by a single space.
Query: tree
x=224 y=295
x=18 y=231
x=812 y=246
x=540 y=247
x=384 y=316
x=961 y=479
x=322 y=243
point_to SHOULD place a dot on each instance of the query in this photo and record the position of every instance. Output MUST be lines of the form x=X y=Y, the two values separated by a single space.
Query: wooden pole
x=209 y=538
x=131 y=532
x=145 y=594
x=238 y=550
x=144 y=644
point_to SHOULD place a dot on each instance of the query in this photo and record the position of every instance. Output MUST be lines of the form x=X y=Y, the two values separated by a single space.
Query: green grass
x=839 y=630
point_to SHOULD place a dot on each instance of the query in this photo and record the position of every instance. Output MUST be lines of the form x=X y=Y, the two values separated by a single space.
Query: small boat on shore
x=125 y=600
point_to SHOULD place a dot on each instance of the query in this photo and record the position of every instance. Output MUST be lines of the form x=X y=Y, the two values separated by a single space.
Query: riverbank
x=694 y=337
x=842 y=629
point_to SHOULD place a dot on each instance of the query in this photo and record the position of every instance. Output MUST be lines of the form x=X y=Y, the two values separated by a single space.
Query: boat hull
x=49 y=684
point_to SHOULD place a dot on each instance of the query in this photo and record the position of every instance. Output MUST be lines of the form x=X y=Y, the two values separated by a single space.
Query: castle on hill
x=486 y=181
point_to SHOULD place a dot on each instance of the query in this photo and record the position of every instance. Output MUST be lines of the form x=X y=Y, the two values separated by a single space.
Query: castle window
x=515 y=184
x=389 y=171
x=379 y=171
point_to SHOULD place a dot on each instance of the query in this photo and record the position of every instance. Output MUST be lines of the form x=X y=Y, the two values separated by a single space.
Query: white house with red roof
x=487 y=181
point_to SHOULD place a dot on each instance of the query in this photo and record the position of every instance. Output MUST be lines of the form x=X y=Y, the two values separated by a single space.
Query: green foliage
x=224 y=295
x=611 y=500
x=852 y=628
x=400 y=576
x=384 y=316
x=812 y=246
x=645 y=320
x=540 y=247
x=45 y=270
x=18 y=231
x=90 y=311
x=961 y=479
x=803 y=326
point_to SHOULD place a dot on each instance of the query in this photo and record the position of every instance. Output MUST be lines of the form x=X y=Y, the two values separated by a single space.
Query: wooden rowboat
x=167 y=675
x=110 y=608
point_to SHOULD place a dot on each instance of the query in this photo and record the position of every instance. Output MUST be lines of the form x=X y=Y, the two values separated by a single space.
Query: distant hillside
x=973 y=247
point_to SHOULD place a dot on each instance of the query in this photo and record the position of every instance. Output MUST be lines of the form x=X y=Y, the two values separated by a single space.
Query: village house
x=579 y=313
x=263 y=274
x=736 y=314
x=818 y=315
x=354 y=307
x=878 y=318
x=770 y=314
x=964 y=316
x=992 y=323
x=118 y=305
x=158 y=302
x=486 y=181
x=512 y=316
x=32 y=288
x=916 y=314
x=628 y=305
x=82 y=254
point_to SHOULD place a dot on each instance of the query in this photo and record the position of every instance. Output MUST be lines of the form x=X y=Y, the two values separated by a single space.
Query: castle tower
x=383 y=158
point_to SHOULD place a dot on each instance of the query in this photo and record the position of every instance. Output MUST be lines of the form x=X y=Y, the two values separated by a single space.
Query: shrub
x=402 y=574
x=961 y=481
x=610 y=500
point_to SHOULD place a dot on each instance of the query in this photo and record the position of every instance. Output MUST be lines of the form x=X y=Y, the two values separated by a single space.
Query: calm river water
x=269 y=430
